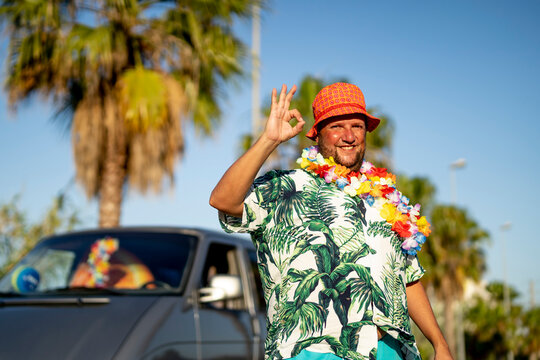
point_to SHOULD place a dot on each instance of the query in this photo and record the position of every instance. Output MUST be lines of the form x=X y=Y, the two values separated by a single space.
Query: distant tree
x=490 y=332
x=18 y=235
x=124 y=73
x=452 y=254
x=531 y=336
x=485 y=329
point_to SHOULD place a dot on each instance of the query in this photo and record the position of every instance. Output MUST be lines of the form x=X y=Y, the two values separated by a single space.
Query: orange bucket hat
x=340 y=99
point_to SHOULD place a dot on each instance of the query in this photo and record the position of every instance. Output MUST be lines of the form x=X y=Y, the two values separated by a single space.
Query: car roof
x=196 y=231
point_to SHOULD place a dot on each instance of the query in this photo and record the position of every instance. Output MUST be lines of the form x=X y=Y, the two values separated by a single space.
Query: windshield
x=137 y=260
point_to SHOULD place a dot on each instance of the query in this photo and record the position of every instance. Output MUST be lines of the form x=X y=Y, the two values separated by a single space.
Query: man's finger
x=299 y=126
x=294 y=113
x=282 y=95
x=290 y=94
x=274 y=97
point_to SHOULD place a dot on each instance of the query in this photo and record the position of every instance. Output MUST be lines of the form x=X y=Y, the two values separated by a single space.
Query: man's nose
x=348 y=135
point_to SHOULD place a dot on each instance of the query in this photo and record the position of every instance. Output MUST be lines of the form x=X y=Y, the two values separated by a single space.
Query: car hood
x=68 y=327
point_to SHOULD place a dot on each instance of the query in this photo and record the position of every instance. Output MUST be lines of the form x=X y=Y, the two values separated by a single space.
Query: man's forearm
x=422 y=314
x=228 y=195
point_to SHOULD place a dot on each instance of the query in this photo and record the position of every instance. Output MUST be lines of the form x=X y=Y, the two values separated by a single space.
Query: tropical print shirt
x=331 y=267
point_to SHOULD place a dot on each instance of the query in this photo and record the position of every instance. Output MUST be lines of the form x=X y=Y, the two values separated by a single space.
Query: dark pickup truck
x=152 y=293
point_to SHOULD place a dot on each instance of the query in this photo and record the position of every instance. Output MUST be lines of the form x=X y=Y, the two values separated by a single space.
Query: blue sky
x=460 y=79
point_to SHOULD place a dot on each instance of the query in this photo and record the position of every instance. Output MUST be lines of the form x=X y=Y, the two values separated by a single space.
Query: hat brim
x=371 y=121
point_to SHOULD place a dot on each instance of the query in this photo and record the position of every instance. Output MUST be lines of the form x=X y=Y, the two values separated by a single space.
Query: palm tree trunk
x=110 y=201
x=114 y=170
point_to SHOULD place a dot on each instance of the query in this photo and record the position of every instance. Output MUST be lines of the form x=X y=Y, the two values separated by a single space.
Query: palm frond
x=349 y=239
x=320 y=202
x=300 y=345
x=308 y=280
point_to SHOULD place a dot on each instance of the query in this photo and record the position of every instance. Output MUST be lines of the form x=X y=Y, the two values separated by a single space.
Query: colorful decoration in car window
x=110 y=266
x=98 y=260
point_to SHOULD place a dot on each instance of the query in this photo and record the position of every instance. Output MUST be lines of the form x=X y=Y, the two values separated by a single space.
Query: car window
x=221 y=259
x=136 y=260
x=259 y=296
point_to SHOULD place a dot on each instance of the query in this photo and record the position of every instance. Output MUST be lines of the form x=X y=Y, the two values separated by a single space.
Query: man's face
x=344 y=138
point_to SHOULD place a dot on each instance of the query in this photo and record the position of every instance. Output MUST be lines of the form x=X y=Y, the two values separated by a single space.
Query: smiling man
x=336 y=241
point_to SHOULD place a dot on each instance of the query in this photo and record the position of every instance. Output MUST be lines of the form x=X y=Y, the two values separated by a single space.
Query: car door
x=259 y=304
x=225 y=327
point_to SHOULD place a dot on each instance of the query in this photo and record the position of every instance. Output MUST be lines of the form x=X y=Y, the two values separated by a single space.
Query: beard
x=354 y=163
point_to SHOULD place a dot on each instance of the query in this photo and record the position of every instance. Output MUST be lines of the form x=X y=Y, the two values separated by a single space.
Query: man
x=336 y=242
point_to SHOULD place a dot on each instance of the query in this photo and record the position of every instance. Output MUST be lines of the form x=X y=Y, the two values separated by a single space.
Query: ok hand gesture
x=278 y=129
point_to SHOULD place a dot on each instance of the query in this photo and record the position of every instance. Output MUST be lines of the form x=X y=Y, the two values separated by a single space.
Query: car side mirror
x=222 y=287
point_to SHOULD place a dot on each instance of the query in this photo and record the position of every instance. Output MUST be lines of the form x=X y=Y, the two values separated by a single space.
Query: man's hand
x=443 y=353
x=278 y=128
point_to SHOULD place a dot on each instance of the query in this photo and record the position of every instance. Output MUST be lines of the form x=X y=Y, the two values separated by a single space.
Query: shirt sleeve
x=257 y=206
x=413 y=271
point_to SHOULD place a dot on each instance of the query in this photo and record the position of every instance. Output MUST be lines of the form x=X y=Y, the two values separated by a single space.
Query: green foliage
x=143 y=99
x=381 y=228
x=531 y=336
x=18 y=235
x=491 y=332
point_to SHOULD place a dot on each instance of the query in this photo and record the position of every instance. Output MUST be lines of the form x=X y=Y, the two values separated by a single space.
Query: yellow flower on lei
x=304 y=162
x=389 y=213
x=364 y=188
x=423 y=226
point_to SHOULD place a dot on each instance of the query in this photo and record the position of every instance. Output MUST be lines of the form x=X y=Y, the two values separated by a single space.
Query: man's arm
x=422 y=314
x=228 y=195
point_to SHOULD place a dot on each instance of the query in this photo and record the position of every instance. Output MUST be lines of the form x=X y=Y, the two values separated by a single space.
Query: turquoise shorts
x=388 y=348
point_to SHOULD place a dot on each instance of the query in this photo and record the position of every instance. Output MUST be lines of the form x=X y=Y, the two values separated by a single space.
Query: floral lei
x=377 y=187
x=98 y=260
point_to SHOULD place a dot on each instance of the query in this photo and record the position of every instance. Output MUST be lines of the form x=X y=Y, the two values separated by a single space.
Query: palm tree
x=531 y=321
x=488 y=326
x=124 y=73
x=452 y=255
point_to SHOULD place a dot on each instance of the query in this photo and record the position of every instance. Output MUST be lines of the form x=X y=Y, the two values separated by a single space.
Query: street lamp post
x=255 y=75
x=506 y=290
x=458 y=164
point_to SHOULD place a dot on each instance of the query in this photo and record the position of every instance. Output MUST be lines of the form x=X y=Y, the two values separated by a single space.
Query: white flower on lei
x=354 y=185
